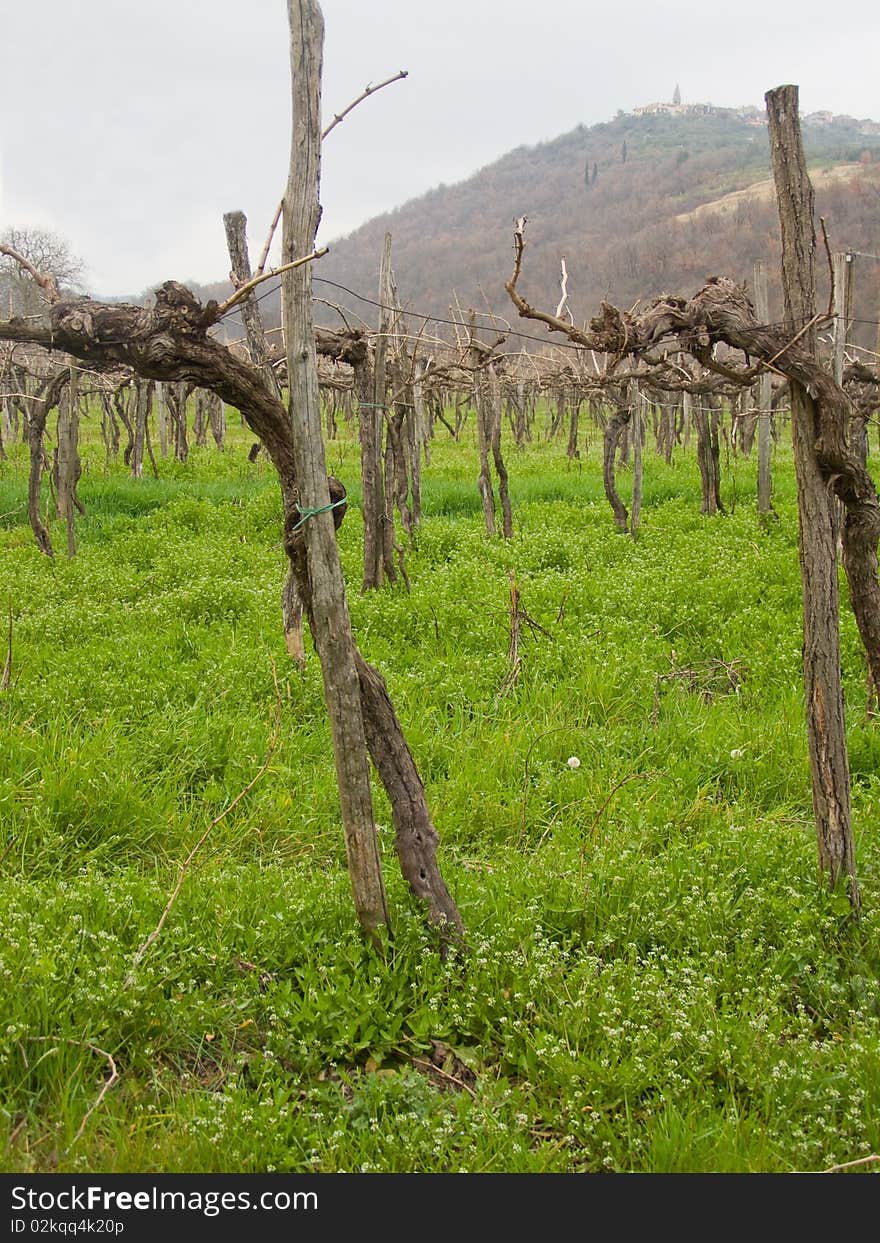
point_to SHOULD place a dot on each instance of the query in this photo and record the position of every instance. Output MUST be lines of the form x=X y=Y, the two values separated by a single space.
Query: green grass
x=657 y=981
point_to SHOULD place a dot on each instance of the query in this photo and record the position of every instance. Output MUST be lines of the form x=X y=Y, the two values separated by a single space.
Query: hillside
x=638 y=206
x=641 y=205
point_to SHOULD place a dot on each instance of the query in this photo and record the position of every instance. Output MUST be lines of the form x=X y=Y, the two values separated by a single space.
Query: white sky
x=130 y=128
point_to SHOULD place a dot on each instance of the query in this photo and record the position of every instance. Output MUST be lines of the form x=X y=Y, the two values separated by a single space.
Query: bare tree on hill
x=49 y=254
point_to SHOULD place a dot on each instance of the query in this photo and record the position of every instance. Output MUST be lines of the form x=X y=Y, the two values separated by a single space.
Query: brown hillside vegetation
x=638 y=206
x=762 y=191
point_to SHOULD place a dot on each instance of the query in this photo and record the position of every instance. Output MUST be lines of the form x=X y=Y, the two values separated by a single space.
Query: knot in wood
x=79 y=322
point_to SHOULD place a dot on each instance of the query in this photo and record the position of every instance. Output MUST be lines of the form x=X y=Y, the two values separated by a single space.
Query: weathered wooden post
x=67 y=458
x=417 y=441
x=765 y=483
x=142 y=403
x=217 y=420
x=235 y=224
x=842 y=267
x=829 y=762
x=384 y=456
x=162 y=418
x=493 y=395
x=328 y=607
x=687 y=409
x=634 y=399
x=488 y=408
x=177 y=396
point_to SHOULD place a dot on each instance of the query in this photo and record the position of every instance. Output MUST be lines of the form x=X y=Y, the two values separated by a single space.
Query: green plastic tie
x=305 y=514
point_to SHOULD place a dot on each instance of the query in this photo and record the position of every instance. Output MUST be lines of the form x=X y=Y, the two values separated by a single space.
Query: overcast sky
x=130 y=128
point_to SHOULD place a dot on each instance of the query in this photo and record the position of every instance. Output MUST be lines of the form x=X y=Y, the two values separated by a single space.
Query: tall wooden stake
x=634 y=399
x=235 y=223
x=484 y=417
x=67 y=457
x=829 y=762
x=842 y=266
x=765 y=486
x=493 y=409
x=329 y=609
x=383 y=486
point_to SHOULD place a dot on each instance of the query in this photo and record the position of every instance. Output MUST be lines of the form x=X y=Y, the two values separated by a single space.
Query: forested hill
x=637 y=206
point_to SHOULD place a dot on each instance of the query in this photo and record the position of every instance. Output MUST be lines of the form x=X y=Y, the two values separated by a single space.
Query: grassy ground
x=657 y=981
